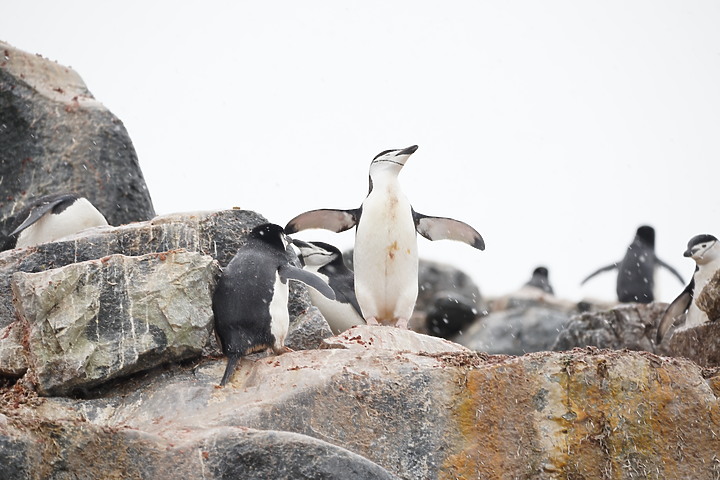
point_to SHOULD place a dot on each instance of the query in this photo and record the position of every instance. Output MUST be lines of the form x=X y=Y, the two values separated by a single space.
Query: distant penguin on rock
x=251 y=299
x=636 y=271
x=51 y=217
x=385 y=256
x=705 y=250
x=540 y=280
x=326 y=261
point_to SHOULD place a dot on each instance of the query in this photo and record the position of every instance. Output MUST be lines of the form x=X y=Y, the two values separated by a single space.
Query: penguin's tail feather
x=230 y=368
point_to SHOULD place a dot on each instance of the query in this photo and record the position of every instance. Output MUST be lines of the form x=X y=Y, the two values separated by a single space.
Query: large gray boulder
x=632 y=326
x=55 y=138
x=530 y=327
x=93 y=321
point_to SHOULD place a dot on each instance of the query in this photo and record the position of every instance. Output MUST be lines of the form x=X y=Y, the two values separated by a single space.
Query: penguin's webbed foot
x=402 y=323
x=283 y=349
x=372 y=321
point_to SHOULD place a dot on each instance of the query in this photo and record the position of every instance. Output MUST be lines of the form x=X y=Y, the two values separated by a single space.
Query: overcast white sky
x=555 y=128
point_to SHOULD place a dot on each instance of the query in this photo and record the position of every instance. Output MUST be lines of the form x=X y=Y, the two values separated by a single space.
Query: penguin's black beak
x=688 y=253
x=300 y=243
x=407 y=151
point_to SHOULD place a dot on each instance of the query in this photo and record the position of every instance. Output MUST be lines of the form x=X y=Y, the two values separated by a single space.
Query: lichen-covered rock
x=709 y=299
x=587 y=414
x=632 y=326
x=55 y=138
x=700 y=344
x=516 y=331
x=93 y=321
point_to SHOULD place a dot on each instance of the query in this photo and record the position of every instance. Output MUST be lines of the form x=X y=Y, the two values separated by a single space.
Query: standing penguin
x=385 y=256
x=636 y=271
x=250 y=301
x=705 y=250
x=540 y=279
x=51 y=217
x=326 y=261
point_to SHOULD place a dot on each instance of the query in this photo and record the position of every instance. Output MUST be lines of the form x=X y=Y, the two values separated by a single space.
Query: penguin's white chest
x=77 y=217
x=279 y=316
x=385 y=256
x=340 y=316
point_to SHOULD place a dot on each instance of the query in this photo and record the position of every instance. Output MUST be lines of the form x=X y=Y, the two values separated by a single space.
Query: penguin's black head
x=270 y=233
x=317 y=253
x=395 y=156
x=647 y=235
x=542 y=271
x=698 y=245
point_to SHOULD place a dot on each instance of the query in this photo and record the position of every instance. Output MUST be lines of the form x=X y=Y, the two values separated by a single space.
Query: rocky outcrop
x=632 y=326
x=218 y=234
x=55 y=138
x=531 y=327
x=587 y=414
x=709 y=299
x=90 y=322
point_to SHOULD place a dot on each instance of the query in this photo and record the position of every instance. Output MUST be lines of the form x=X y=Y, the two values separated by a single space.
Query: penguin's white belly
x=279 y=316
x=340 y=316
x=77 y=217
x=385 y=258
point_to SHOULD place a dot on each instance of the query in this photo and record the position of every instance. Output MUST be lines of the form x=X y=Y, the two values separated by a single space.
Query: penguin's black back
x=241 y=302
x=636 y=271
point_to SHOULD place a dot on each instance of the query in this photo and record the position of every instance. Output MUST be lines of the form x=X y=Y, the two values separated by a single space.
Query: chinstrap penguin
x=705 y=250
x=636 y=271
x=51 y=217
x=326 y=261
x=250 y=301
x=385 y=257
x=540 y=280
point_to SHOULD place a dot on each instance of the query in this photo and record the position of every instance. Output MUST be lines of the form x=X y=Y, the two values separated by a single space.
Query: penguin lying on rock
x=705 y=250
x=385 y=256
x=326 y=261
x=250 y=300
x=51 y=217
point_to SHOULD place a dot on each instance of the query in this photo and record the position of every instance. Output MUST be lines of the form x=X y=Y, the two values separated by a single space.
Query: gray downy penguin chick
x=250 y=300
x=326 y=261
x=52 y=217
x=385 y=256
x=705 y=250
x=636 y=271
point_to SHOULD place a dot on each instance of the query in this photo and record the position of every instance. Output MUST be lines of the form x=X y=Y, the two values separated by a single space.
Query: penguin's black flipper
x=328 y=219
x=670 y=269
x=232 y=361
x=612 y=266
x=443 y=228
x=679 y=306
x=310 y=279
x=35 y=211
